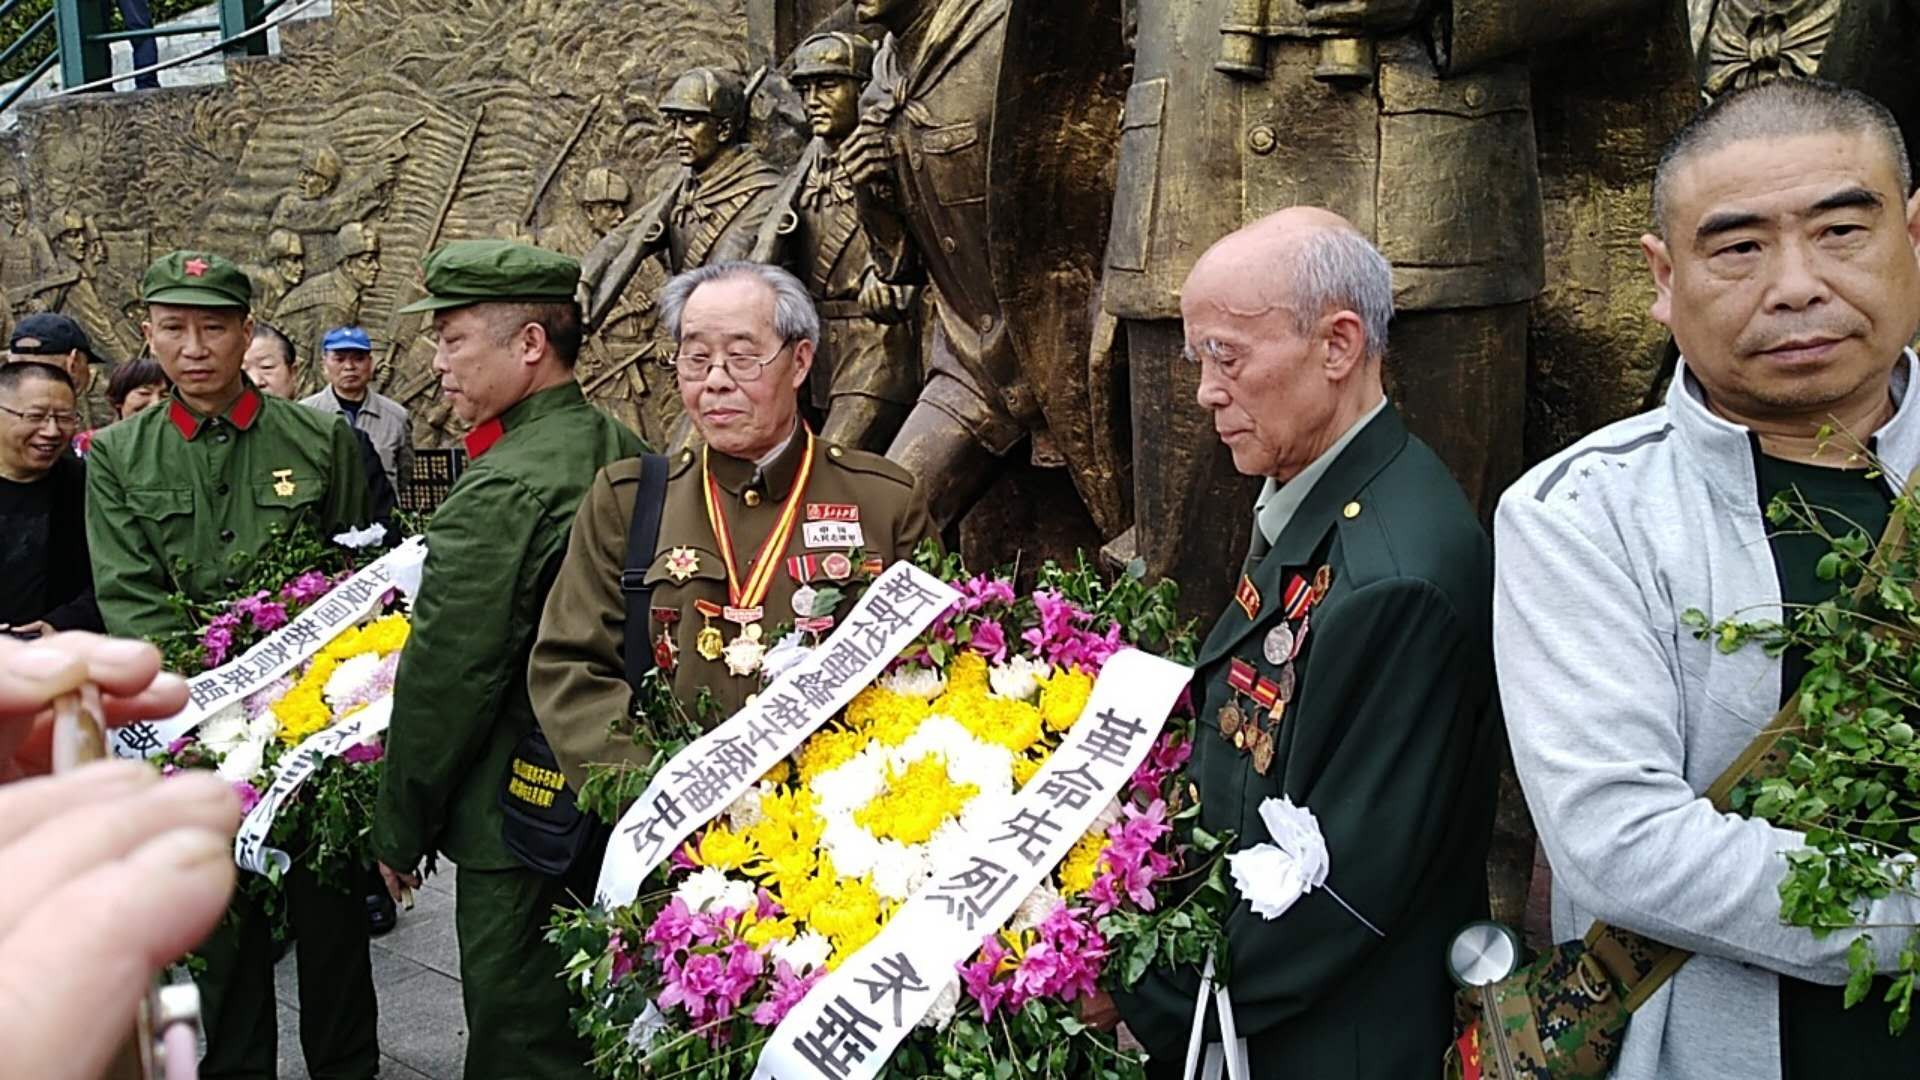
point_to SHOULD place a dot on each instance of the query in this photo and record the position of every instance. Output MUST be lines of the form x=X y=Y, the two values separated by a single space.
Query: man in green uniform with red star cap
x=509 y=334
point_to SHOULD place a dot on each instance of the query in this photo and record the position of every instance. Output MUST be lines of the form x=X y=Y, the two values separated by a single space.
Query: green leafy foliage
x=1847 y=774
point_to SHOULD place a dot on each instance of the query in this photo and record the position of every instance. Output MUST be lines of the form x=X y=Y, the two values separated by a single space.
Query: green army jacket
x=177 y=501
x=856 y=505
x=1391 y=739
x=460 y=695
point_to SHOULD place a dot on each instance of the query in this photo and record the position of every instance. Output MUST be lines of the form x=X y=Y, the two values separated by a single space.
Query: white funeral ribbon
x=250 y=848
x=706 y=777
x=285 y=649
x=850 y=1022
x=1217 y=1059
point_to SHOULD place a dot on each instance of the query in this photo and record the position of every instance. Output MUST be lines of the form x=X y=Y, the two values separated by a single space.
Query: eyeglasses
x=742 y=368
x=65 y=421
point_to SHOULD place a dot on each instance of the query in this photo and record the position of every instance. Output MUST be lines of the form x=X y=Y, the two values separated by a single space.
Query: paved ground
x=416 y=973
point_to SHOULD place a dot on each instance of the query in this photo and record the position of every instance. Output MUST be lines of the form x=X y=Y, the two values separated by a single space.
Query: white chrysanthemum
x=646 y=1028
x=900 y=869
x=940 y=1013
x=1018 y=678
x=855 y=851
x=853 y=784
x=745 y=811
x=710 y=890
x=1036 y=907
x=914 y=681
x=804 y=951
x=242 y=760
x=225 y=729
x=349 y=678
x=355 y=539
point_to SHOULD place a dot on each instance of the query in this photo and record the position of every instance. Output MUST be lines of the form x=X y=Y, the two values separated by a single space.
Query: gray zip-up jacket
x=1620 y=719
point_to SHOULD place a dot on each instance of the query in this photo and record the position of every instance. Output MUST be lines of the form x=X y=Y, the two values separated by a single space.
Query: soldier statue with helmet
x=711 y=210
x=867 y=371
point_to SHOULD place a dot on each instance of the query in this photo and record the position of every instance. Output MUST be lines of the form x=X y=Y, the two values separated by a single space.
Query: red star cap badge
x=196 y=267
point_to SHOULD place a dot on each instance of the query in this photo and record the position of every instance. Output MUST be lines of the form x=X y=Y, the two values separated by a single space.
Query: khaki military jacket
x=179 y=502
x=387 y=425
x=460 y=694
x=856 y=505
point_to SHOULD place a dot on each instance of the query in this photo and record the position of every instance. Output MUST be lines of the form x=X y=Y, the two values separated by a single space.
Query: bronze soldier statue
x=1413 y=120
x=958 y=85
x=323 y=203
x=866 y=372
x=78 y=254
x=26 y=259
x=712 y=209
x=286 y=266
x=613 y=365
x=332 y=299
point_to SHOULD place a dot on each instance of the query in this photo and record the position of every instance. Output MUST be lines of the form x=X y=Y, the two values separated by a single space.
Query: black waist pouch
x=543 y=828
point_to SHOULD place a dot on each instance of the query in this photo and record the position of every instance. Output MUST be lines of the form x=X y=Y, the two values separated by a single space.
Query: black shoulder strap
x=642 y=536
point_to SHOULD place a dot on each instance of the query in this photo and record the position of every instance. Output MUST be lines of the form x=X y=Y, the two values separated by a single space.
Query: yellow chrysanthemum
x=1063 y=696
x=967 y=674
x=916 y=803
x=848 y=915
x=801 y=897
x=885 y=716
x=725 y=849
x=779 y=774
x=828 y=750
x=1024 y=768
x=761 y=933
x=1082 y=864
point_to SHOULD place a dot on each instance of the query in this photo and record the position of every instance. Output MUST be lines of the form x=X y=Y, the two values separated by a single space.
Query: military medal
x=708 y=642
x=1286 y=683
x=666 y=654
x=682 y=563
x=803 y=598
x=837 y=566
x=1230 y=720
x=1322 y=581
x=1263 y=752
x=745 y=598
x=873 y=566
x=1248 y=597
x=1278 y=647
x=1297 y=600
x=284 y=485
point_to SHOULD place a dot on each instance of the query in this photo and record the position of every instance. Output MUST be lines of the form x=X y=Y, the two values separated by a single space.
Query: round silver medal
x=1285 y=680
x=1278 y=647
x=803 y=598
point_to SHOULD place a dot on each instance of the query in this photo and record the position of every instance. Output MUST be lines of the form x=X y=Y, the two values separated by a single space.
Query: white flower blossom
x=1036 y=907
x=349 y=679
x=646 y=1028
x=225 y=729
x=1018 y=678
x=900 y=869
x=361 y=538
x=242 y=760
x=745 y=812
x=790 y=653
x=804 y=951
x=1274 y=876
x=914 y=681
x=711 y=890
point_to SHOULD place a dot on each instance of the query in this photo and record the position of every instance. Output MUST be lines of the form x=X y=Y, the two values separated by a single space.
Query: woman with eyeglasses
x=46 y=579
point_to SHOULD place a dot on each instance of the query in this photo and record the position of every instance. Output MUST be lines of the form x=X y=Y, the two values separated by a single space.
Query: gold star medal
x=283 y=483
x=708 y=642
x=683 y=563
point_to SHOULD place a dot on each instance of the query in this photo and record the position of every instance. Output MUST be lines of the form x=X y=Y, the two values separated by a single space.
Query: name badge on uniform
x=833 y=534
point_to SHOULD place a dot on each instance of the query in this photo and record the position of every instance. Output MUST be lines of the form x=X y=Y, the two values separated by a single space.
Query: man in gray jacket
x=1786 y=266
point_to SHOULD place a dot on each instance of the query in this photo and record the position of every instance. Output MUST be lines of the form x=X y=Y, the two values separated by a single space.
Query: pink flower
x=684 y=857
x=1166 y=758
x=306 y=588
x=365 y=753
x=672 y=928
x=990 y=641
x=788 y=989
x=217 y=637
x=978 y=978
x=624 y=959
x=248 y=796
x=269 y=617
x=176 y=746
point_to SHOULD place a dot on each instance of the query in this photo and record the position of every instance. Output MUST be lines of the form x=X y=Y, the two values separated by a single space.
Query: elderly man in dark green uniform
x=509 y=333
x=765 y=524
x=183 y=499
x=1351 y=673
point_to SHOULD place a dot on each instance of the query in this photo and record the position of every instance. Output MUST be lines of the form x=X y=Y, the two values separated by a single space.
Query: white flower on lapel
x=362 y=538
x=1273 y=876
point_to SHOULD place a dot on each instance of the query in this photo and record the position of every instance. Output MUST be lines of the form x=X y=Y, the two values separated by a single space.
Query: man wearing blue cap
x=346 y=359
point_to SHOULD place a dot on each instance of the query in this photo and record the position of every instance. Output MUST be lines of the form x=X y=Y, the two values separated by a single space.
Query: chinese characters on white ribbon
x=250 y=848
x=850 y=1022
x=282 y=651
x=709 y=775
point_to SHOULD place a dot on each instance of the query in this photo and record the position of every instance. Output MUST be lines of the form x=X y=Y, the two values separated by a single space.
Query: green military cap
x=196 y=279
x=479 y=271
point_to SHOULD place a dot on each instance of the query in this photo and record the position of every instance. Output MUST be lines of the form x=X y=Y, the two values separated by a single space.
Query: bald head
x=1305 y=262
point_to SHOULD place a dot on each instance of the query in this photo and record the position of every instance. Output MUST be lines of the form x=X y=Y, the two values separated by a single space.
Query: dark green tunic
x=460 y=705
x=1392 y=740
x=1818 y=1037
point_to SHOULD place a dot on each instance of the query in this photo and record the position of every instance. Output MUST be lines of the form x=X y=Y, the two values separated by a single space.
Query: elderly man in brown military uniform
x=867 y=373
x=713 y=209
x=767 y=525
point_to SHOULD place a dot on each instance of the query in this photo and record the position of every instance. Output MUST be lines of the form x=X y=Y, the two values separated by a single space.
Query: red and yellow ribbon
x=765 y=565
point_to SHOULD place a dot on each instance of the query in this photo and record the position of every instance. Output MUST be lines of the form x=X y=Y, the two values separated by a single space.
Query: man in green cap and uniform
x=508 y=331
x=794 y=526
x=185 y=499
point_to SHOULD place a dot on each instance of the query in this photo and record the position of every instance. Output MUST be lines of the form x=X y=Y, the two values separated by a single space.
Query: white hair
x=794 y=316
x=1340 y=270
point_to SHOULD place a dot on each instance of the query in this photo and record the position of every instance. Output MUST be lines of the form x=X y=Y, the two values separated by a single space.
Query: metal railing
x=81 y=36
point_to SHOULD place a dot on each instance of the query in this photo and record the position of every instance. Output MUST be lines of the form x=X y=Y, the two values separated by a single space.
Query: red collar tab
x=183 y=419
x=481 y=439
x=246 y=410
